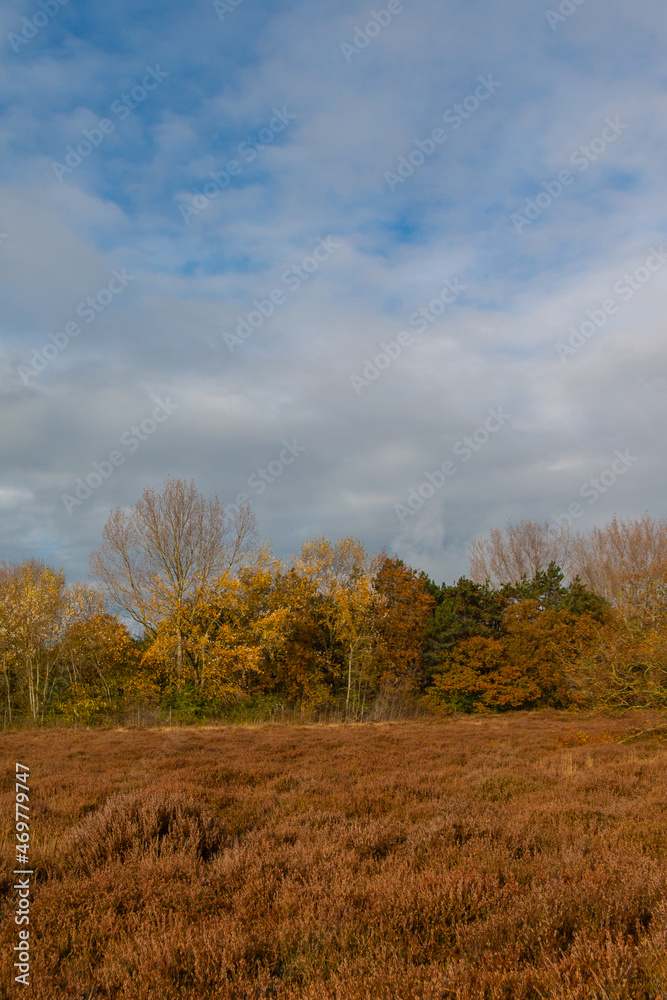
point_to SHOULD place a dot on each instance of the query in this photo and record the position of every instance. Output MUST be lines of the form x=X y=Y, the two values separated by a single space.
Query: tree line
x=191 y=614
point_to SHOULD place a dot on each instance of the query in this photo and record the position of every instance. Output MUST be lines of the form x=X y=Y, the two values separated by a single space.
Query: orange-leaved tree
x=402 y=612
x=528 y=665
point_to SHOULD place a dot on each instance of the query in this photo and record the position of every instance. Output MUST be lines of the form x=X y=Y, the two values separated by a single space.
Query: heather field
x=518 y=856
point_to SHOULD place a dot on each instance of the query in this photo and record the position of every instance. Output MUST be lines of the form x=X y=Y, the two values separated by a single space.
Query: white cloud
x=324 y=175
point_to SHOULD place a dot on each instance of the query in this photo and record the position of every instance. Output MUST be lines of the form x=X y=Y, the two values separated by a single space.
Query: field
x=517 y=856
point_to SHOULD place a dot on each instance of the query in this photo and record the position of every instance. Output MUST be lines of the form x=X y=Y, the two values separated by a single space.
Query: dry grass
x=510 y=857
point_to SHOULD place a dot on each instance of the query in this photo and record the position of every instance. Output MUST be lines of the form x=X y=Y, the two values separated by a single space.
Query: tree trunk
x=9 y=695
x=179 y=655
x=349 y=685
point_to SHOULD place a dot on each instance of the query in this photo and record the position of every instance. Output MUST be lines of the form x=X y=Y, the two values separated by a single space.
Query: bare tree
x=619 y=559
x=171 y=549
x=624 y=561
x=524 y=549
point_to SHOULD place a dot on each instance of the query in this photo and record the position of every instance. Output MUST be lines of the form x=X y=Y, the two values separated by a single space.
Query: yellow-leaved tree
x=33 y=610
x=341 y=575
x=100 y=660
x=36 y=610
x=223 y=636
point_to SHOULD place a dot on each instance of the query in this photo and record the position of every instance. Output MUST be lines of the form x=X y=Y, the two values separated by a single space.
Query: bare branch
x=170 y=548
x=524 y=549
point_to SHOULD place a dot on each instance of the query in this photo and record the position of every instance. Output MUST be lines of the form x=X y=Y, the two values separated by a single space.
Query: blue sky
x=226 y=210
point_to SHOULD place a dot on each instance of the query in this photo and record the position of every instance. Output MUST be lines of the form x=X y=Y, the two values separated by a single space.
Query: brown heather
x=519 y=856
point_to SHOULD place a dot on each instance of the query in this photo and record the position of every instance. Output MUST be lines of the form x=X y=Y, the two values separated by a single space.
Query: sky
x=396 y=271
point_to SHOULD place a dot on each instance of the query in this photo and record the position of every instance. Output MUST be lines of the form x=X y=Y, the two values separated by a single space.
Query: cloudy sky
x=406 y=259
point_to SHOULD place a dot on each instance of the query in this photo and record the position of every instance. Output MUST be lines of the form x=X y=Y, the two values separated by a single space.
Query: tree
x=355 y=618
x=513 y=646
x=523 y=550
x=548 y=589
x=36 y=608
x=7 y=619
x=404 y=608
x=525 y=666
x=610 y=561
x=627 y=667
x=224 y=637
x=619 y=559
x=169 y=552
x=541 y=645
x=100 y=660
x=463 y=610
x=462 y=680
x=342 y=575
x=298 y=669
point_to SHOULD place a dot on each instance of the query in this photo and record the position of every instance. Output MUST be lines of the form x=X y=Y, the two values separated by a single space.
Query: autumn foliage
x=618 y=659
x=195 y=618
